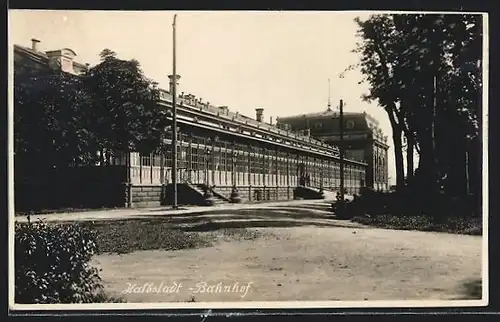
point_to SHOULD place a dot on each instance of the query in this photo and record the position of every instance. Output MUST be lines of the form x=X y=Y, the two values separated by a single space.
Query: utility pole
x=174 y=120
x=341 y=148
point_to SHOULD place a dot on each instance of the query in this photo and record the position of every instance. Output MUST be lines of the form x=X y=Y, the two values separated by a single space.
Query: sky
x=280 y=61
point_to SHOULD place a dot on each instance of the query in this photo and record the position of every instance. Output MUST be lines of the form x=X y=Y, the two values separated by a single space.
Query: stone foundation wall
x=154 y=195
x=248 y=193
x=145 y=196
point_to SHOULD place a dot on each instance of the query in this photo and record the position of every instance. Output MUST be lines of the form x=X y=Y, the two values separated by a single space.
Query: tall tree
x=51 y=121
x=377 y=60
x=63 y=120
x=424 y=70
x=125 y=109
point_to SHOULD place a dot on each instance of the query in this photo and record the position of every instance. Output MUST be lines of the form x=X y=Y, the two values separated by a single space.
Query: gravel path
x=302 y=263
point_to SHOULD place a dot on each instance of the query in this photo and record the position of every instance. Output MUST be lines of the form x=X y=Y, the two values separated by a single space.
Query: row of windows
x=217 y=143
x=349 y=125
x=379 y=167
x=196 y=159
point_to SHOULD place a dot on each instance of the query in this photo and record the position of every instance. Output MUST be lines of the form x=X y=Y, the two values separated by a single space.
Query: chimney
x=259 y=114
x=271 y=120
x=34 y=44
x=171 y=78
x=223 y=109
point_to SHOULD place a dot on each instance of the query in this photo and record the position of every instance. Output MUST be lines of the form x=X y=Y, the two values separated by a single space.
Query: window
x=350 y=125
x=145 y=160
x=240 y=162
x=358 y=154
x=215 y=159
x=318 y=126
x=156 y=160
x=182 y=157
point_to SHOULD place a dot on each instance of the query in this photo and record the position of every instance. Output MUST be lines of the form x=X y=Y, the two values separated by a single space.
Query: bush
x=464 y=225
x=52 y=264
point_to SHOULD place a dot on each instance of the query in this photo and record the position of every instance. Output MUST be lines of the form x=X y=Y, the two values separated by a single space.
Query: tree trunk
x=409 y=159
x=398 y=156
x=397 y=132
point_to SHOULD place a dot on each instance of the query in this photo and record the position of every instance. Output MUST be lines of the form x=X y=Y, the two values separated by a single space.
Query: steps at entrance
x=304 y=192
x=197 y=188
x=215 y=199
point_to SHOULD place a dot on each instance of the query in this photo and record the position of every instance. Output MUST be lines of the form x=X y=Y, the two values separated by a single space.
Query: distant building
x=218 y=149
x=363 y=139
x=55 y=60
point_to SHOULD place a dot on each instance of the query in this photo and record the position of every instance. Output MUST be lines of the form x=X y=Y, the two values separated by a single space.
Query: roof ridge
x=332 y=112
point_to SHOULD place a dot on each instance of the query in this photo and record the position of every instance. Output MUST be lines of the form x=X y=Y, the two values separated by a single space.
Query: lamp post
x=208 y=153
x=233 y=160
x=214 y=165
x=208 y=193
x=235 y=195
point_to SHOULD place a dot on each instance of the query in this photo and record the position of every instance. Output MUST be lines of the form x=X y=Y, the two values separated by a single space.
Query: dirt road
x=302 y=263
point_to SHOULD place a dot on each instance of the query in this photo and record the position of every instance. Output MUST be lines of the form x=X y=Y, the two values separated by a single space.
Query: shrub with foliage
x=406 y=210
x=462 y=225
x=52 y=264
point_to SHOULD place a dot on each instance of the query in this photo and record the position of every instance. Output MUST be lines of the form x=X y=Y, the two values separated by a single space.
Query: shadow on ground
x=181 y=231
x=318 y=215
x=472 y=290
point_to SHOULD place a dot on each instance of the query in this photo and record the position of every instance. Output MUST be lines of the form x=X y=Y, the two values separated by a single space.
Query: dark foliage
x=463 y=225
x=52 y=265
x=409 y=202
x=405 y=210
x=77 y=188
x=64 y=120
x=124 y=106
x=425 y=71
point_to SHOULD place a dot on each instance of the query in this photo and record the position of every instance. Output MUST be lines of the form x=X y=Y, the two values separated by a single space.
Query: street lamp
x=235 y=195
x=208 y=193
x=208 y=153
x=233 y=159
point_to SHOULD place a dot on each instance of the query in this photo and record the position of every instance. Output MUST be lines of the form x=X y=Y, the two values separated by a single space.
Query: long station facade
x=222 y=151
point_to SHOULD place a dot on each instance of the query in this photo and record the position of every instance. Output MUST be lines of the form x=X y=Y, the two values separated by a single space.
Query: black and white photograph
x=247 y=159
